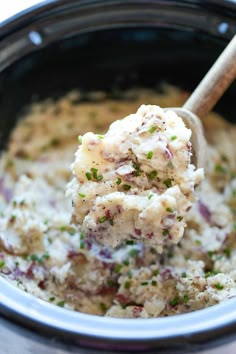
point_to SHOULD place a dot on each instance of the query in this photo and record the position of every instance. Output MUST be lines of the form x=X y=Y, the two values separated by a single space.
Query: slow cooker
x=56 y=46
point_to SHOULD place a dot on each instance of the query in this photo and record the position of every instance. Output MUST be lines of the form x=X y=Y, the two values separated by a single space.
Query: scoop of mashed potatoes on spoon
x=136 y=182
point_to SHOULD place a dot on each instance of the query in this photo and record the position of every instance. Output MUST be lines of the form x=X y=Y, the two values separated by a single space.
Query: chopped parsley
x=111 y=283
x=102 y=219
x=94 y=172
x=103 y=306
x=129 y=242
x=167 y=183
x=150 y=196
x=2 y=264
x=51 y=299
x=117 y=268
x=152 y=175
x=144 y=283
x=219 y=286
x=88 y=175
x=165 y=232
x=55 y=142
x=170 y=210
x=127 y=284
x=227 y=252
x=100 y=136
x=126 y=262
x=39 y=259
x=184 y=275
x=82 y=244
x=154 y=283
x=61 y=303
x=126 y=187
x=149 y=155
x=118 y=181
x=156 y=272
x=152 y=129
x=111 y=222
x=220 y=169
x=175 y=301
x=173 y=137
x=185 y=299
x=133 y=252
x=82 y=195
x=179 y=218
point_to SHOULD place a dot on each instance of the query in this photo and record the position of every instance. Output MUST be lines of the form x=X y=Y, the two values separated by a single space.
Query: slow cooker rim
x=29 y=309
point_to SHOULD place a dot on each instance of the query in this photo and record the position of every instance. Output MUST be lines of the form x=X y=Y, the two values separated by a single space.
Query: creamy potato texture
x=45 y=253
x=136 y=181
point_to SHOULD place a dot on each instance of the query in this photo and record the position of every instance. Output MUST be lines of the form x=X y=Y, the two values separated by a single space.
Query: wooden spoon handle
x=215 y=82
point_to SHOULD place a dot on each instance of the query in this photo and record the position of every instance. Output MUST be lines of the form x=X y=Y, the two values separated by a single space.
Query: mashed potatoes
x=44 y=253
x=136 y=181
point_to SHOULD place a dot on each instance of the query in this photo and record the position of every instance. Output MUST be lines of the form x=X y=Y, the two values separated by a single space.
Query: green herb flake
x=129 y=275
x=12 y=218
x=2 y=264
x=118 y=181
x=94 y=172
x=129 y=242
x=100 y=136
x=210 y=273
x=63 y=228
x=184 y=275
x=154 y=283
x=224 y=158
x=88 y=175
x=133 y=253
x=149 y=155
x=185 y=299
x=99 y=178
x=170 y=210
x=173 y=137
x=152 y=175
x=175 y=301
x=55 y=142
x=167 y=183
x=111 y=283
x=80 y=139
x=150 y=196
x=220 y=169
x=103 y=306
x=144 y=283
x=72 y=232
x=211 y=253
x=111 y=222
x=82 y=195
x=61 y=303
x=198 y=242
x=218 y=286
x=127 y=284
x=152 y=129
x=179 y=218
x=51 y=299
x=102 y=219
x=126 y=187
x=117 y=268
x=156 y=272
x=227 y=252
x=126 y=262
x=165 y=232
x=82 y=244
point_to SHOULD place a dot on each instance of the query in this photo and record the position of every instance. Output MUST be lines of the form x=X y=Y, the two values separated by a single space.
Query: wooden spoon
x=205 y=96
